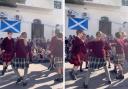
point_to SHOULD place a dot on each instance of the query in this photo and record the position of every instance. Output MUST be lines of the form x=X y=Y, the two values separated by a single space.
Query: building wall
x=116 y=14
x=49 y=17
x=40 y=3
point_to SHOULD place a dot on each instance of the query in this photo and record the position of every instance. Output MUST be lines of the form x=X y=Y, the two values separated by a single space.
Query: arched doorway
x=37 y=29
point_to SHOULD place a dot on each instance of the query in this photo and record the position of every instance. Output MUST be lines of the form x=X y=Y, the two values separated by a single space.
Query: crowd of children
x=98 y=52
x=20 y=52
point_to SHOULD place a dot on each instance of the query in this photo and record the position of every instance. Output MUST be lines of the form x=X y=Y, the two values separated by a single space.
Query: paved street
x=97 y=80
x=39 y=78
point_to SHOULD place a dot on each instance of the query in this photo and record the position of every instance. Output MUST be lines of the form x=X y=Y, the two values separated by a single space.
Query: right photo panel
x=96 y=44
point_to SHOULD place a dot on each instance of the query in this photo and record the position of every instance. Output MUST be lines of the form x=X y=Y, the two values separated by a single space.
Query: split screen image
x=63 y=44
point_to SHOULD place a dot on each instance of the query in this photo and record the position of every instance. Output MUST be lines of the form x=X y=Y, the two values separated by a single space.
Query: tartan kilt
x=58 y=62
x=119 y=59
x=7 y=57
x=20 y=63
x=96 y=63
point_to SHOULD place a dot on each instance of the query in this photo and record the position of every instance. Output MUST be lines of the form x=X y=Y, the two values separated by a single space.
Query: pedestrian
x=58 y=57
x=77 y=53
x=84 y=50
x=97 y=58
x=120 y=55
x=21 y=60
x=51 y=49
x=7 y=47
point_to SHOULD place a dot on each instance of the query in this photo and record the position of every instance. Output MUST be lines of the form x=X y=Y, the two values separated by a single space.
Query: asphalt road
x=39 y=78
x=97 y=81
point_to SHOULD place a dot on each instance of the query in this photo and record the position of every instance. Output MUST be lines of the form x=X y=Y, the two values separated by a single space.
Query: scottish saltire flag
x=10 y=25
x=78 y=23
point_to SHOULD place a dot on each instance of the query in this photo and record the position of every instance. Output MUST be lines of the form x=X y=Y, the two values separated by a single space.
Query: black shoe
x=19 y=80
x=81 y=70
x=25 y=84
x=73 y=75
x=86 y=67
x=58 y=80
x=49 y=67
x=3 y=71
x=109 y=66
x=109 y=82
x=85 y=86
x=61 y=80
x=120 y=77
x=114 y=71
x=52 y=69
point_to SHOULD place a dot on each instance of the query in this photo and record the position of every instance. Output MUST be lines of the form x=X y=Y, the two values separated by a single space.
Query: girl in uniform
x=97 y=57
x=7 y=48
x=77 y=53
x=21 y=60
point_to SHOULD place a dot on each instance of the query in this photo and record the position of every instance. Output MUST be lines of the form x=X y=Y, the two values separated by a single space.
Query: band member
x=58 y=57
x=51 y=48
x=120 y=55
x=97 y=57
x=21 y=60
x=77 y=53
x=7 y=47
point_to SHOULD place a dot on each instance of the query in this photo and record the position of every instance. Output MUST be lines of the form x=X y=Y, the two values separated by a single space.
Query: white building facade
x=116 y=13
x=35 y=9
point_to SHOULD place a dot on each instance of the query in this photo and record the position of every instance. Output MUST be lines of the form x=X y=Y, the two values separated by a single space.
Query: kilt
x=58 y=62
x=74 y=61
x=119 y=59
x=96 y=63
x=20 y=63
x=7 y=57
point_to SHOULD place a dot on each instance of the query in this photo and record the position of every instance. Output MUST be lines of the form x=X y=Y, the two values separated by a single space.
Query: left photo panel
x=31 y=44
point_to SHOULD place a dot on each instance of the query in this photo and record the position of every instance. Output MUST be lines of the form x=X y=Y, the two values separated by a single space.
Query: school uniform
x=97 y=57
x=58 y=54
x=126 y=49
x=8 y=46
x=21 y=55
x=77 y=52
x=120 y=53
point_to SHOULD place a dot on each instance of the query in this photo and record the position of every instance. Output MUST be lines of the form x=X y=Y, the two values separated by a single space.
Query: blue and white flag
x=10 y=25
x=78 y=23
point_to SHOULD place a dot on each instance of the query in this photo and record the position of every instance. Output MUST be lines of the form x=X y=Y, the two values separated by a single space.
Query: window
x=125 y=2
x=57 y=4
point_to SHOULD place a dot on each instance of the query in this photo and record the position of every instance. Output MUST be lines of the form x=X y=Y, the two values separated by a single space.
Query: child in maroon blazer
x=77 y=53
x=84 y=50
x=124 y=37
x=21 y=60
x=52 y=48
x=97 y=57
x=120 y=54
x=7 y=47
